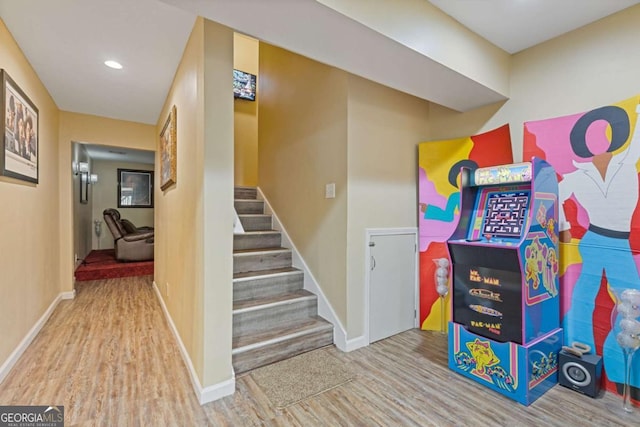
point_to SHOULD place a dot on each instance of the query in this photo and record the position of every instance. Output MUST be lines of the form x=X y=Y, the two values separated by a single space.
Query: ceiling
x=515 y=25
x=149 y=36
x=129 y=155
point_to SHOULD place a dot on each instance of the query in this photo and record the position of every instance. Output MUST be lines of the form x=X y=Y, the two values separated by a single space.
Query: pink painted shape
x=432 y=230
x=552 y=137
x=596 y=137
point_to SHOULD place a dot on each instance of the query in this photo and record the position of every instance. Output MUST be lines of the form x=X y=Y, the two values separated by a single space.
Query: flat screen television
x=244 y=85
x=505 y=213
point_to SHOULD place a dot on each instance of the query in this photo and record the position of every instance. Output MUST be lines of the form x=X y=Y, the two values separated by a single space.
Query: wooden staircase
x=274 y=318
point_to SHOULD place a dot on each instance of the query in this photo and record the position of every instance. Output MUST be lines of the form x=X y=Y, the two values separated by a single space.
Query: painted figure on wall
x=439 y=206
x=596 y=155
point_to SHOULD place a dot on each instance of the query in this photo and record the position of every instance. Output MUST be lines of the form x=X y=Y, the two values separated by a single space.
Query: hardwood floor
x=109 y=357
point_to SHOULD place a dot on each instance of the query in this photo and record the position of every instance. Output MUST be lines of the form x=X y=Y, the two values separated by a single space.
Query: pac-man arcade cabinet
x=505 y=331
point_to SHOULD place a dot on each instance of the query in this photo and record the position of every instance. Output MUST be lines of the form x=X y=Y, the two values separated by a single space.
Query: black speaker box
x=581 y=374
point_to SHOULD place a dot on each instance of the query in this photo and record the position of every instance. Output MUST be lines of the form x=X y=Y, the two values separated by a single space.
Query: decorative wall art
x=168 y=151
x=19 y=158
x=439 y=164
x=135 y=188
x=595 y=155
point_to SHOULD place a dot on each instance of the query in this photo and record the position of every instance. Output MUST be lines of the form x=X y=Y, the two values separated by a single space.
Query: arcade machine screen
x=488 y=282
x=505 y=214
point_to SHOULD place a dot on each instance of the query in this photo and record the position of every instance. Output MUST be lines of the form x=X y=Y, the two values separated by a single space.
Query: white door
x=392 y=284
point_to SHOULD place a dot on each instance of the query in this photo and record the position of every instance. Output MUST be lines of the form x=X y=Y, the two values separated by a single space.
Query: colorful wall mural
x=595 y=155
x=438 y=210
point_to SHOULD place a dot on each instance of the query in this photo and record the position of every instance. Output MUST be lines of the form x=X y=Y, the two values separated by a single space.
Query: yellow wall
x=104 y=195
x=303 y=146
x=245 y=118
x=194 y=217
x=385 y=127
x=75 y=127
x=177 y=243
x=320 y=125
x=29 y=282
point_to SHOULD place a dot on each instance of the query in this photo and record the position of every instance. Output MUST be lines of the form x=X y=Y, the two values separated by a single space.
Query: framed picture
x=168 y=151
x=135 y=188
x=19 y=157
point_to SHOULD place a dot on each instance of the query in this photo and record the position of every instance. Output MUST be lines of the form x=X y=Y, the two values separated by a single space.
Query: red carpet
x=102 y=264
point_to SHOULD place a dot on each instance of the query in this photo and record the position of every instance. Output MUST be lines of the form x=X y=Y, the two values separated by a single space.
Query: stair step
x=257 y=240
x=248 y=206
x=242 y=192
x=255 y=222
x=261 y=314
x=260 y=259
x=253 y=350
x=260 y=284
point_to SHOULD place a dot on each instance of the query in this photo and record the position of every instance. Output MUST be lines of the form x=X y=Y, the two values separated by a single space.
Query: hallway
x=110 y=359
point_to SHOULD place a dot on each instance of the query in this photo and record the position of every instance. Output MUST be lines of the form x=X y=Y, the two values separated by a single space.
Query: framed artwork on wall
x=168 y=151
x=135 y=188
x=19 y=157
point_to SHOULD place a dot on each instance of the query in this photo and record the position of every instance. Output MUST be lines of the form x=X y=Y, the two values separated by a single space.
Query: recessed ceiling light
x=113 y=64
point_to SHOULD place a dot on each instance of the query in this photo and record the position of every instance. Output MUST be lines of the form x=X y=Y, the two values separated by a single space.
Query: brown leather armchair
x=129 y=245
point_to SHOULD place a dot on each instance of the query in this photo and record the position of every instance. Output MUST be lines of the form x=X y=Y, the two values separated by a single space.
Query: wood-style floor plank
x=109 y=357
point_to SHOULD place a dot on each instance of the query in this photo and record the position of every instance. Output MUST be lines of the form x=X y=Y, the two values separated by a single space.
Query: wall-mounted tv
x=244 y=85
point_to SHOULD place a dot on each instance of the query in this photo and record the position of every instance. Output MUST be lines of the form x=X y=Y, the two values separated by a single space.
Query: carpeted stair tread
x=249 y=275
x=261 y=338
x=284 y=298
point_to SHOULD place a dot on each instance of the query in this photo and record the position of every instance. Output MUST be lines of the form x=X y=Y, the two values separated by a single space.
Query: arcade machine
x=505 y=331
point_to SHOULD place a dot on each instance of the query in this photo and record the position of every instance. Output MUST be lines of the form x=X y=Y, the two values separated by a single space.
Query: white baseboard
x=325 y=309
x=24 y=344
x=355 y=343
x=207 y=394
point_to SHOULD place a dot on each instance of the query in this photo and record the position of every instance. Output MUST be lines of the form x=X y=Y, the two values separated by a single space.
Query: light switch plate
x=330 y=190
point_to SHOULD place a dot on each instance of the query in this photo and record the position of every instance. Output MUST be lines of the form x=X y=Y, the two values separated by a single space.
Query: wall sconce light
x=93 y=178
x=80 y=167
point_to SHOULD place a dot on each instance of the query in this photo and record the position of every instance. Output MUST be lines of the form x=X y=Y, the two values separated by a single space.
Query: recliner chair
x=131 y=228
x=129 y=245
